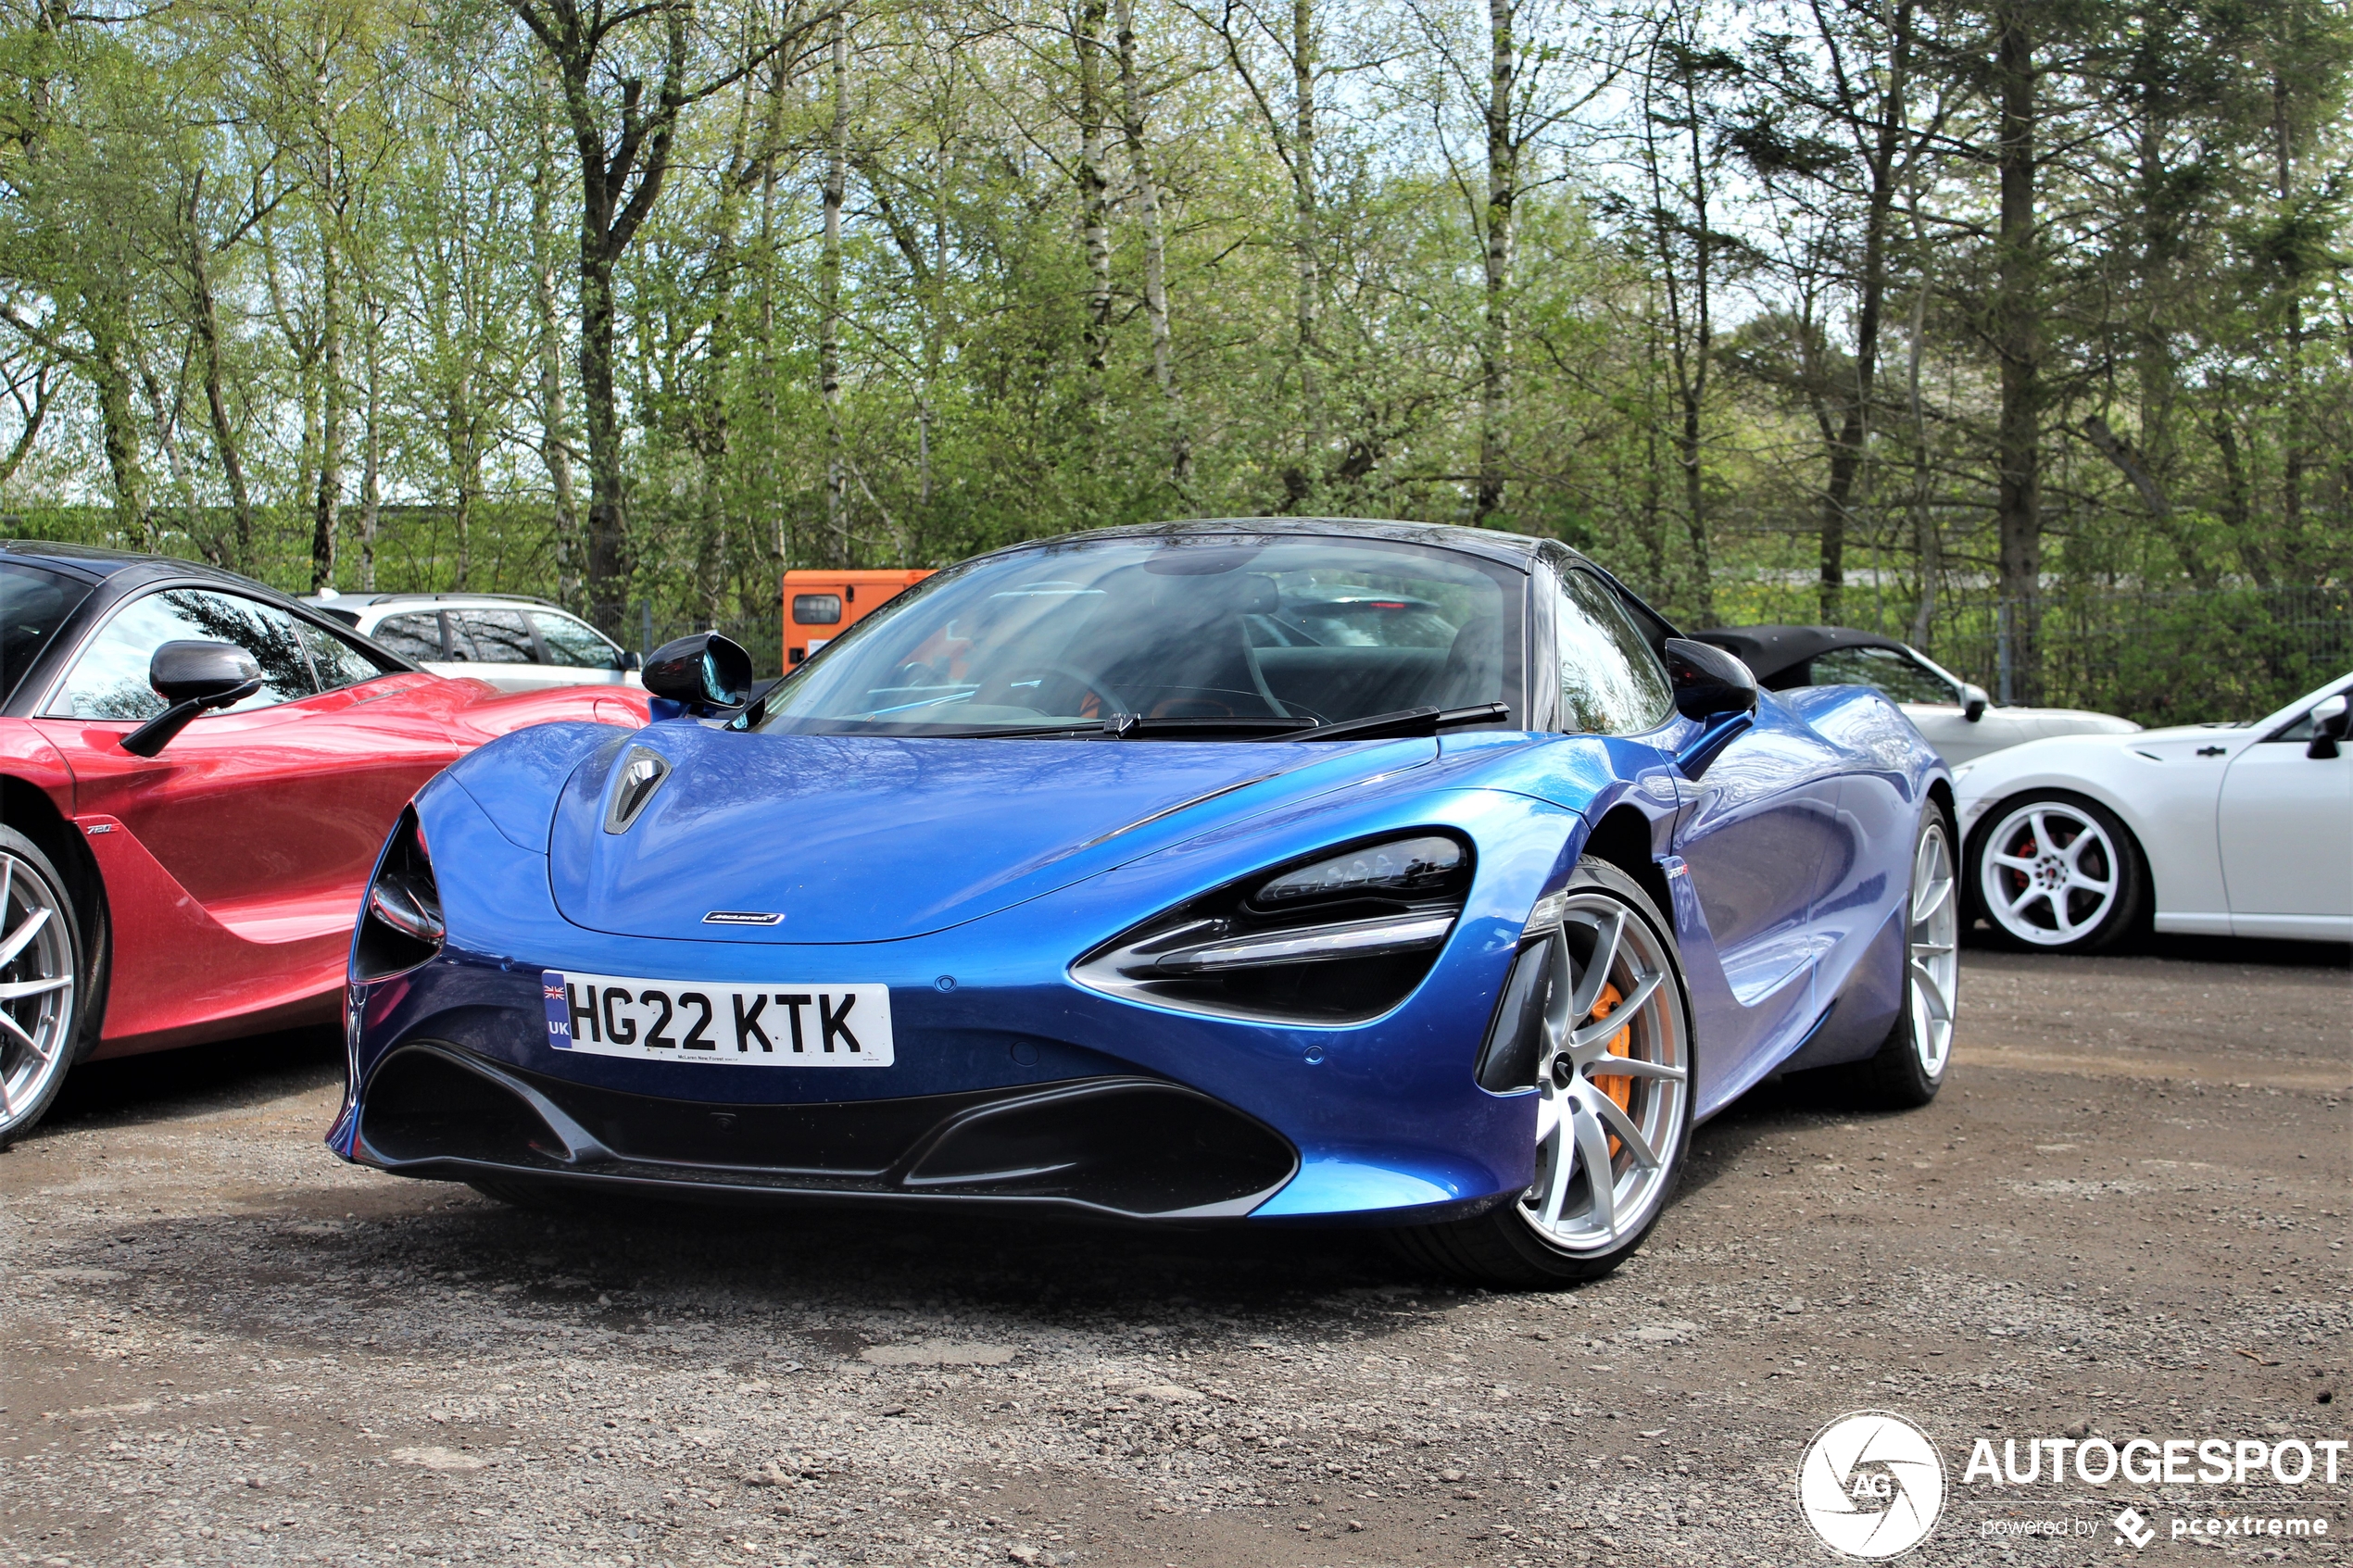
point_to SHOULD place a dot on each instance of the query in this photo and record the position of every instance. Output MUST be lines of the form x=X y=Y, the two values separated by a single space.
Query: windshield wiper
x=1406 y=722
x=1133 y=726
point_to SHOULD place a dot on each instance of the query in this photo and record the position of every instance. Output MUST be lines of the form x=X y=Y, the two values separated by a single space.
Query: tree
x=624 y=151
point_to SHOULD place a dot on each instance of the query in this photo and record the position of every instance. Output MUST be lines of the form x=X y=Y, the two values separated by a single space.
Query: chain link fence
x=2160 y=659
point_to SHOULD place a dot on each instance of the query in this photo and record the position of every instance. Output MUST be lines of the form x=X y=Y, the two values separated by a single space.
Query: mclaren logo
x=742 y=917
x=1871 y=1485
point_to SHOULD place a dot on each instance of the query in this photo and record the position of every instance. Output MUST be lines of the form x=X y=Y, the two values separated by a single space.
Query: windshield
x=1169 y=631
x=34 y=604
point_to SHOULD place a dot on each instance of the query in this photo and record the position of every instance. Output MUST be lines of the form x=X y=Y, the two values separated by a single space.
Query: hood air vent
x=641 y=774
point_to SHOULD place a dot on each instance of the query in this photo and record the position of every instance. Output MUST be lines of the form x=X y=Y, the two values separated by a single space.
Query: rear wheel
x=1909 y=1067
x=2057 y=873
x=40 y=983
x=1613 y=1101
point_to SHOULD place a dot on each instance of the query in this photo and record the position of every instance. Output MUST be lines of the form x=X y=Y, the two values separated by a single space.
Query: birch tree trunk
x=371 y=446
x=1502 y=191
x=1140 y=166
x=326 y=509
x=829 y=298
x=1302 y=175
x=1094 y=195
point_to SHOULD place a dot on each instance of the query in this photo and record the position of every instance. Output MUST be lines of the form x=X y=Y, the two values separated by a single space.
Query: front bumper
x=1126 y=1146
x=1014 y=1084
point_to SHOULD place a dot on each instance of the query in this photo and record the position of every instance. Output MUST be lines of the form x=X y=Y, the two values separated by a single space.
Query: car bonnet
x=875 y=839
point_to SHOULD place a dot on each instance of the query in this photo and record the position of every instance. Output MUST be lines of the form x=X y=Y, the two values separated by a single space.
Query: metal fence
x=2162 y=658
x=762 y=636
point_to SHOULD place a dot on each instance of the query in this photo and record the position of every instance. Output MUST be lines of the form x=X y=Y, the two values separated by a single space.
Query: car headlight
x=1336 y=938
x=400 y=922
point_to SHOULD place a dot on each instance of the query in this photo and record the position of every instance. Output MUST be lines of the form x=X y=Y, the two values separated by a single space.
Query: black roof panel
x=1770 y=650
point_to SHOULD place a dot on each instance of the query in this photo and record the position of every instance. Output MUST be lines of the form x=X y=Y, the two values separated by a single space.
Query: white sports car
x=1951 y=715
x=2226 y=830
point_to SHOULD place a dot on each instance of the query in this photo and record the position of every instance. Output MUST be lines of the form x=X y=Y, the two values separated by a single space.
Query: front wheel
x=40 y=983
x=2059 y=873
x=1613 y=1092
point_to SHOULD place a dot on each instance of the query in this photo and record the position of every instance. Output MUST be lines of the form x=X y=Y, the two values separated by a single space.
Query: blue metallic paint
x=999 y=862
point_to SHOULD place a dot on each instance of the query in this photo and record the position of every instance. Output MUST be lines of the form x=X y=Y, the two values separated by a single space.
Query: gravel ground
x=2126 y=1215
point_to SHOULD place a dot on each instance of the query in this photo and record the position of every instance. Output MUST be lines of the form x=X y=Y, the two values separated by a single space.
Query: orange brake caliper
x=1619 y=1088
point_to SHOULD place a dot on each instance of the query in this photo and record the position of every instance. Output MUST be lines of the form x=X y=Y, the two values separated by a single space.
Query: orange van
x=821 y=605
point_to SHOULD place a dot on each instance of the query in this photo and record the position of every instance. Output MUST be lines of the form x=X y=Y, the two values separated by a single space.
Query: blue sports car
x=1092 y=874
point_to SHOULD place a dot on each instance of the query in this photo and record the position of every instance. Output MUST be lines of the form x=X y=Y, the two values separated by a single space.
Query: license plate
x=801 y=1026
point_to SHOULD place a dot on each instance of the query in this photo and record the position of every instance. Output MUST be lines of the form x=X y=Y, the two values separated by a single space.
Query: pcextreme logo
x=1871 y=1485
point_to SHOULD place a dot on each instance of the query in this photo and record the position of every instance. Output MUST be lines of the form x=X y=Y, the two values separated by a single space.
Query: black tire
x=33 y=1078
x=1501 y=1247
x=2125 y=916
x=1899 y=1076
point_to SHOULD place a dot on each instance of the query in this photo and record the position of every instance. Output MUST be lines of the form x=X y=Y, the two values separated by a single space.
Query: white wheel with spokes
x=2057 y=873
x=1613 y=1081
x=38 y=989
x=1933 y=959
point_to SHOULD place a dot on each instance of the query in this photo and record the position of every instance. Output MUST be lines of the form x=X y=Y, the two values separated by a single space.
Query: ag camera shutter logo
x=1871 y=1485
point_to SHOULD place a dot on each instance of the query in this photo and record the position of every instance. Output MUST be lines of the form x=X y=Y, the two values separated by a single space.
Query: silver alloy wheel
x=2050 y=874
x=1588 y=1198
x=37 y=989
x=1934 y=967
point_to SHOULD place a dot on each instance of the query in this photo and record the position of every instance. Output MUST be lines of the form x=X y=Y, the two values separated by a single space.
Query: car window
x=1184 y=630
x=1611 y=682
x=573 y=643
x=1889 y=671
x=500 y=636
x=34 y=604
x=415 y=635
x=337 y=663
x=109 y=679
x=816 y=609
x=2300 y=731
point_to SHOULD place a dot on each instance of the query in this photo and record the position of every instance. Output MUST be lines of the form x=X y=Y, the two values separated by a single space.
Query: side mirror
x=1973 y=701
x=702 y=674
x=631 y=659
x=2329 y=720
x=193 y=677
x=1708 y=681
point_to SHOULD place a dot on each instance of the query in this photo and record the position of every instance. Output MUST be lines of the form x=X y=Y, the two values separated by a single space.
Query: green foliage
x=382 y=197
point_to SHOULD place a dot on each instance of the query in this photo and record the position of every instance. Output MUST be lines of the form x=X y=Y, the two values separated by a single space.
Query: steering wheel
x=997 y=690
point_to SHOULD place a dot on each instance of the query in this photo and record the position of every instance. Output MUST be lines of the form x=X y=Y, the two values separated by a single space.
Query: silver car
x=516 y=643
x=1956 y=717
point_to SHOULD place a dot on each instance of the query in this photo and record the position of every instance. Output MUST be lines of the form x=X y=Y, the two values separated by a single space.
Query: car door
x=574 y=654
x=505 y=654
x=268 y=815
x=414 y=634
x=2284 y=825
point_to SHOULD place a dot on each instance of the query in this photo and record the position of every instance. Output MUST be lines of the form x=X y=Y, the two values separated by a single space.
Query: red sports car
x=196 y=774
